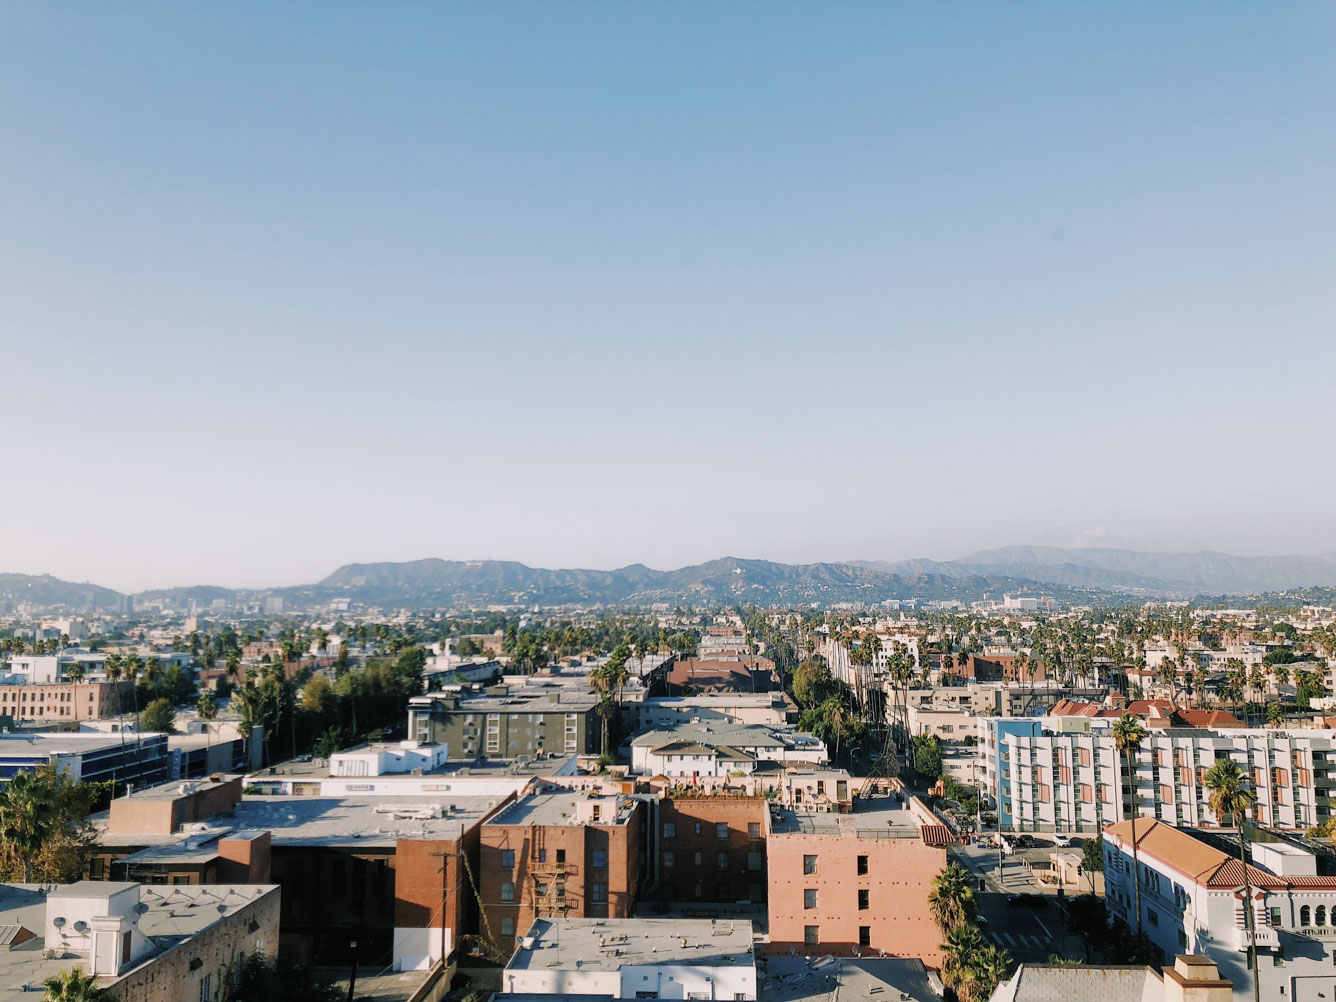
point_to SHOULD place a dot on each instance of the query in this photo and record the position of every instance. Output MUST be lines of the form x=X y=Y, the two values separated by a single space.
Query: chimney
x=1195 y=979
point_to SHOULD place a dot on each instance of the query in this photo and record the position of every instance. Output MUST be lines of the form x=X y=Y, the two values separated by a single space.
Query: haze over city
x=587 y=285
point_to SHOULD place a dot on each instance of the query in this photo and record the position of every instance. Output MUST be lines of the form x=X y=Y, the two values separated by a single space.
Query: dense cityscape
x=927 y=796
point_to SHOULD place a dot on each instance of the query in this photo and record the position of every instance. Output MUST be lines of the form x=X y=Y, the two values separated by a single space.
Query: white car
x=1062 y=841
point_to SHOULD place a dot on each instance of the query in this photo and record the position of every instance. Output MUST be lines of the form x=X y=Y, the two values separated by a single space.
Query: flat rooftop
x=560 y=809
x=170 y=916
x=328 y=821
x=611 y=944
x=178 y=788
x=879 y=817
x=793 y=979
x=459 y=768
x=66 y=742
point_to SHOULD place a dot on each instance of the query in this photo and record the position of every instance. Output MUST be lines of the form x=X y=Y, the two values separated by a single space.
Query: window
x=600 y=859
x=1321 y=917
x=723 y=892
x=697 y=827
x=755 y=860
x=1275 y=917
x=507 y=859
x=862 y=866
x=542 y=855
x=1305 y=915
x=809 y=897
x=700 y=889
x=864 y=899
x=600 y=894
x=1153 y=916
x=721 y=861
x=721 y=830
x=206 y=988
x=669 y=830
x=561 y=855
x=865 y=935
x=669 y=860
x=698 y=858
x=809 y=864
x=811 y=935
x=96 y=868
x=561 y=890
x=753 y=829
x=507 y=926
x=507 y=891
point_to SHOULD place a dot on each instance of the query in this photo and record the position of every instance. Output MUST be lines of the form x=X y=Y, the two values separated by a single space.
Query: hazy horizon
x=288 y=287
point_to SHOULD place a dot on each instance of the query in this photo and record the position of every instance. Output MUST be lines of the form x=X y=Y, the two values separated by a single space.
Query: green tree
x=963 y=943
x=27 y=819
x=1230 y=797
x=1092 y=858
x=159 y=715
x=812 y=683
x=74 y=986
x=1275 y=714
x=951 y=900
x=1127 y=737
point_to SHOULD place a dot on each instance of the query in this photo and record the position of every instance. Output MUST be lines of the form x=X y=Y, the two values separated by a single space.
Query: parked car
x=1024 y=841
x=1062 y=841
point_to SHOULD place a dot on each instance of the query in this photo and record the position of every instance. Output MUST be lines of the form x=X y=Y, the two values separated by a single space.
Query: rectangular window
x=864 y=899
x=507 y=859
x=809 y=897
x=755 y=860
x=722 y=892
x=669 y=860
x=865 y=935
x=698 y=858
x=507 y=926
x=561 y=855
x=669 y=829
x=600 y=894
x=721 y=861
x=753 y=829
x=811 y=935
x=721 y=830
x=862 y=866
x=600 y=859
x=697 y=827
x=507 y=891
x=542 y=855
x=809 y=864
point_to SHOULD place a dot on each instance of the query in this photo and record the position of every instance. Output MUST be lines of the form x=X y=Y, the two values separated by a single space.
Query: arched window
x=1321 y=915
x=1305 y=915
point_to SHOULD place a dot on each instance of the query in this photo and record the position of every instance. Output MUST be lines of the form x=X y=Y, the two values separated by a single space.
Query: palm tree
x=1127 y=737
x=1230 y=796
x=951 y=899
x=27 y=818
x=74 y=986
x=963 y=944
x=989 y=967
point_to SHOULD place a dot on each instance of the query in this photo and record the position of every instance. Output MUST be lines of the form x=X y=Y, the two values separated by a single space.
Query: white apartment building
x=1047 y=780
x=1192 y=902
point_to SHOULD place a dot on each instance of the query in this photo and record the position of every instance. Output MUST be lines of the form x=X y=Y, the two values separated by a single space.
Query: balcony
x=1267 y=938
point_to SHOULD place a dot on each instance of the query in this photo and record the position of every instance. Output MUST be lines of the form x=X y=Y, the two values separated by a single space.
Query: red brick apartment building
x=840 y=883
x=561 y=853
x=712 y=848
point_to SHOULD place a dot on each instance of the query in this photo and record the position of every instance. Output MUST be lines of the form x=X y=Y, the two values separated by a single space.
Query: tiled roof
x=1205 y=864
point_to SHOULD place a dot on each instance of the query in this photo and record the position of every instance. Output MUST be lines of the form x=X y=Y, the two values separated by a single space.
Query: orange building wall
x=680 y=881
x=899 y=878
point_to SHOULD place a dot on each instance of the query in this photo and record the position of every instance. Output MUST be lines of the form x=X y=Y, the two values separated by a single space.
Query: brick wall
x=169 y=976
x=689 y=849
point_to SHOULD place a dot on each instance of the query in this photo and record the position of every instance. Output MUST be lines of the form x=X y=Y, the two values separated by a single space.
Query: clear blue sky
x=288 y=285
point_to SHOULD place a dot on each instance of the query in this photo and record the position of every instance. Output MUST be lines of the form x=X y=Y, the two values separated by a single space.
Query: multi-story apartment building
x=845 y=883
x=505 y=724
x=65 y=701
x=714 y=748
x=1045 y=779
x=712 y=848
x=136 y=759
x=560 y=854
x=1191 y=894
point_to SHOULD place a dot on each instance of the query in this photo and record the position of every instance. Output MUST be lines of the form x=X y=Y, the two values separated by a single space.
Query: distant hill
x=53 y=593
x=727 y=580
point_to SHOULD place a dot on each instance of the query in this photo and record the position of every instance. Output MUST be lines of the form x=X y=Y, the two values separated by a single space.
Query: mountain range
x=1073 y=575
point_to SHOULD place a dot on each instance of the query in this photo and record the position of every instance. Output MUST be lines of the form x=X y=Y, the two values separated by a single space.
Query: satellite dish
x=81 y=926
x=58 y=921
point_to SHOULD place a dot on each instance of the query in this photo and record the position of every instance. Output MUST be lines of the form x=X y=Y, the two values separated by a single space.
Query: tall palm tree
x=1230 y=796
x=74 y=986
x=988 y=969
x=951 y=900
x=1127 y=737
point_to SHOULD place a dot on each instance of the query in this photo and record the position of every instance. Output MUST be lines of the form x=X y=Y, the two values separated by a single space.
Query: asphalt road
x=1030 y=934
